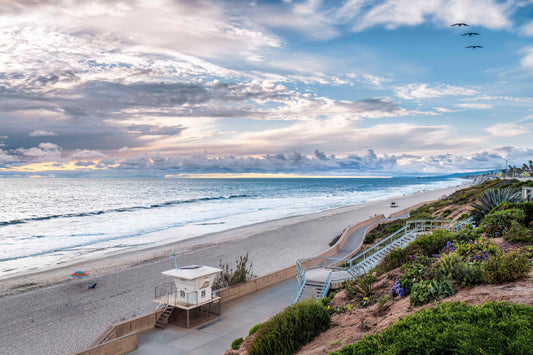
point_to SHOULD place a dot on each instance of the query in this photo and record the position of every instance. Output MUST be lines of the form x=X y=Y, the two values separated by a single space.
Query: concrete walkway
x=216 y=336
x=236 y=319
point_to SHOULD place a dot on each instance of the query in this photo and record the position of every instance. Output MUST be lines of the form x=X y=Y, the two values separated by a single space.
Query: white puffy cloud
x=422 y=91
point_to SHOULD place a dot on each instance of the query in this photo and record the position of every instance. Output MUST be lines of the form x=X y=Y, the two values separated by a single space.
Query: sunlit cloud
x=507 y=130
x=475 y=106
x=424 y=91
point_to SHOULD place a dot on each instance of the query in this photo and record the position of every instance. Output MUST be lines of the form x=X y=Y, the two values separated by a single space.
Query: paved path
x=237 y=317
x=215 y=337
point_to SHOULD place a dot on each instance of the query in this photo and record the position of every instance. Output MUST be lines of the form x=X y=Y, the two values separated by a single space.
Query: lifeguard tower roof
x=191 y=272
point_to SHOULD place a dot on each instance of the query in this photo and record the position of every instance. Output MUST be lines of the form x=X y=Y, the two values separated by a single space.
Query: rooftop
x=191 y=272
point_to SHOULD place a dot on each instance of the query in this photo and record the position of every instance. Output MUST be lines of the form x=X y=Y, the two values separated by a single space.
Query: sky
x=190 y=88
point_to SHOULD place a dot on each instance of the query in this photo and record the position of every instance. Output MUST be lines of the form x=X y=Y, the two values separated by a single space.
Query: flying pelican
x=474 y=47
x=459 y=24
x=470 y=34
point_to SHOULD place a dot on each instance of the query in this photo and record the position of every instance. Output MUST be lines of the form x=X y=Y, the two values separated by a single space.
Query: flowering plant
x=398 y=290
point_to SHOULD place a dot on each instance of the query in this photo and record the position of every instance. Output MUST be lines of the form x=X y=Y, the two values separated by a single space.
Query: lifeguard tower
x=188 y=299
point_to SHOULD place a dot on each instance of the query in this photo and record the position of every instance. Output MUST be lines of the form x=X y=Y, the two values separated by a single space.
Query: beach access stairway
x=317 y=275
x=162 y=321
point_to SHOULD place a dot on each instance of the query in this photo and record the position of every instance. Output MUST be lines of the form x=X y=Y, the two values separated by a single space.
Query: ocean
x=48 y=222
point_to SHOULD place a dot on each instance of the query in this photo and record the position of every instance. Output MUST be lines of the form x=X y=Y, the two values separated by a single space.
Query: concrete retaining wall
x=119 y=346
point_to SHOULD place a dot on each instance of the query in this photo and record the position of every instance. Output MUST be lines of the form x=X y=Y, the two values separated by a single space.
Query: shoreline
x=69 y=316
x=64 y=257
x=119 y=260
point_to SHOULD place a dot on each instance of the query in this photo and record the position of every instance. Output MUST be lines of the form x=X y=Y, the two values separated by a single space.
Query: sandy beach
x=47 y=313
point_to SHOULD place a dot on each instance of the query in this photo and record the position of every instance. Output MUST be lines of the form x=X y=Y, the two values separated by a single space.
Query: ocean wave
x=121 y=209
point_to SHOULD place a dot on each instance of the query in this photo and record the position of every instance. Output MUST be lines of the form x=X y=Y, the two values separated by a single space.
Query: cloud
x=45 y=152
x=395 y=13
x=84 y=163
x=309 y=18
x=5 y=157
x=527 y=29
x=444 y=110
x=41 y=133
x=507 y=130
x=421 y=91
x=505 y=98
x=475 y=106
x=527 y=60
x=87 y=154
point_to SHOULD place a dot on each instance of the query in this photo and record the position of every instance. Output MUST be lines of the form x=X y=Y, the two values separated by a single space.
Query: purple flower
x=397 y=289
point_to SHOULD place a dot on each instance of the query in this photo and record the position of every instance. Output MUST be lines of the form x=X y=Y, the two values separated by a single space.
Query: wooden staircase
x=162 y=321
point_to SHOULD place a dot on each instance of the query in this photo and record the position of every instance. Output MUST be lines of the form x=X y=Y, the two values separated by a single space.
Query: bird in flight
x=474 y=47
x=459 y=24
x=470 y=34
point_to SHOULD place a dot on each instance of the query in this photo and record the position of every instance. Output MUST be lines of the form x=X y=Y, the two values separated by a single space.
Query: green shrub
x=505 y=268
x=325 y=301
x=288 y=330
x=452 y=267
x=518 y=233
x=496 y=224
x=430 y=290
x=527 y=207
x=395 y=258
x=236 y=344
x=454 y=328
x=433 y=243
x=255 y=328
x=230 y=277
x=384 y=230
x=416 y=271
x=363 y=286
x=467 y=234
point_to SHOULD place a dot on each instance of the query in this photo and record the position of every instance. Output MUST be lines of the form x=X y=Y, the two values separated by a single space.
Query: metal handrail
x=376 y=248
x=316 y=263
x=298 y=290
x=325 y=288
x=354 y=266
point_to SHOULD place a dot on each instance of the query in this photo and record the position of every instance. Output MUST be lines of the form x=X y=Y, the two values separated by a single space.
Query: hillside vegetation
x=402 y=306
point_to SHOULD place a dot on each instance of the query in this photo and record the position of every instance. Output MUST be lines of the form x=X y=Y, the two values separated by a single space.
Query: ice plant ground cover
x=457 y=328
